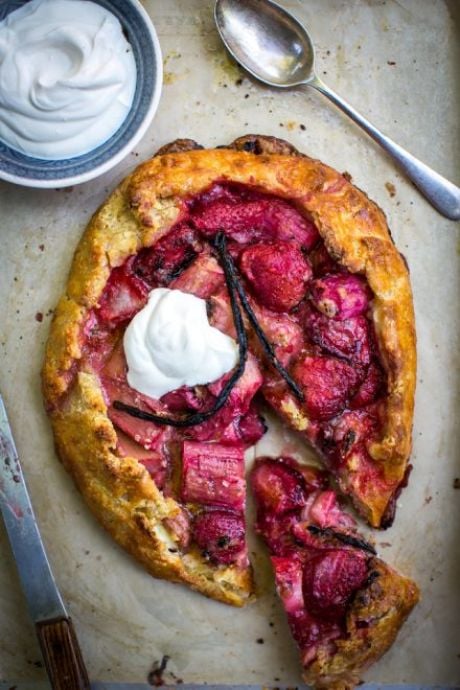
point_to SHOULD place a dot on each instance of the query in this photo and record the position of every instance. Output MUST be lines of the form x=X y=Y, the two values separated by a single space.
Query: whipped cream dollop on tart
x=208 y=282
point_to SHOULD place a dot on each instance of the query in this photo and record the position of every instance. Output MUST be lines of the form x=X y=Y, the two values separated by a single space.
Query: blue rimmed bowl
x=20 y=169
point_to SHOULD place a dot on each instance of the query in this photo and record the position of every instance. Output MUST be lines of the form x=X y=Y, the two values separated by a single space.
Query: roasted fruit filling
x=311 y=349
x=319 y=560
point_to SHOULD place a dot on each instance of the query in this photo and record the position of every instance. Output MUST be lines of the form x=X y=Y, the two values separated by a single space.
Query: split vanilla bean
x=220 y=245
x=344 y=538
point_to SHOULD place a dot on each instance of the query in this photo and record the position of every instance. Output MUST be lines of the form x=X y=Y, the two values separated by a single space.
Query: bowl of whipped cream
x=80 y=81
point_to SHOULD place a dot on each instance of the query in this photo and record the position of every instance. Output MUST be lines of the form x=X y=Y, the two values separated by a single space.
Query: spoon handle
x=442 y=194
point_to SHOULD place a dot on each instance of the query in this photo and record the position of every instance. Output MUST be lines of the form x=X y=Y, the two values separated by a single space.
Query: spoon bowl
x=275 y=48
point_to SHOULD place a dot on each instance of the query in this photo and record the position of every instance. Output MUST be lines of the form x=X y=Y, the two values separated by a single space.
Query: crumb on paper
x=155 y=676
x=347 y=176
x=41 y=247
x=302 y=127
x=290 y=125
x=456 y=483
x=39 y=316
x=391 y=189
x=385 y=544
x=391 y=63
x=428 y=500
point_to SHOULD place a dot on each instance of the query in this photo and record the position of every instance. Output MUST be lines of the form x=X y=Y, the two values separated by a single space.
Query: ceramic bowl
x=18 y=168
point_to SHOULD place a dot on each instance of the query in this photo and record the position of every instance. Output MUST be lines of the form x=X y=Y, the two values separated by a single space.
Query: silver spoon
x=276 y=49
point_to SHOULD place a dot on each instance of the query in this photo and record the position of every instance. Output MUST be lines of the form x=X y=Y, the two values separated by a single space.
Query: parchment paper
x=398 y=63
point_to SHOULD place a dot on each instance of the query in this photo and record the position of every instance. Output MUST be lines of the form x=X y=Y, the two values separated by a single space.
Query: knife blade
x=55 y=631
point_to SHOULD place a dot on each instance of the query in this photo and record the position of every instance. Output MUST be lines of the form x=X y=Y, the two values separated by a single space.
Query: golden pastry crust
x=372 y=624
x=140 y=211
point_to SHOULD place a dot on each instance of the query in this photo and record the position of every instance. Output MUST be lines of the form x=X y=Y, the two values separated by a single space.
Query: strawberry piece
x=282 y=331
x=221 y=536
x=255 y=220
x=348 y=338
x=278 y=531
x=246 y=430
x=309 y=632
x=202 y=278
x=371 y=388
x=251 y=427
x=352 y=429
x=213 y=474
x=168 y=257
x=288 y=578
x=327 y=384
x=277 y=273
x=330 y=578
x=124 y=295
x=187 y=399
x=277 y=486
x=237 y=404
x=340 y=296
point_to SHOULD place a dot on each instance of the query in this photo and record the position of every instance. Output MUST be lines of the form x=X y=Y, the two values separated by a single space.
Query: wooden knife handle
x=62 y=655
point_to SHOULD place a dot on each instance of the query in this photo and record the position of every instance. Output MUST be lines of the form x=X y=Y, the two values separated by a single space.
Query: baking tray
x=397 y=62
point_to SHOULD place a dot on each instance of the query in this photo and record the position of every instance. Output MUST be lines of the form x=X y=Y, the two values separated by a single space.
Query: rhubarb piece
x=221 y=536
x=277 y=273
x=344 y=605
x=202 y=278
x=124 y=295
x=348 y=339
x=168 y=257
x=256 y=220
x=289 y=582
x=144 y=433
x=155 y=462
x=213 y=474
x=327 y=384
x=340 y=296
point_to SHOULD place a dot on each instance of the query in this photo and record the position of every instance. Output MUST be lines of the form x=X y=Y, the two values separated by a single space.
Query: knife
x=56 y=635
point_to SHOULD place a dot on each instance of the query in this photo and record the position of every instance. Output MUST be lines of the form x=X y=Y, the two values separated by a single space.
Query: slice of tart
x=344 y=605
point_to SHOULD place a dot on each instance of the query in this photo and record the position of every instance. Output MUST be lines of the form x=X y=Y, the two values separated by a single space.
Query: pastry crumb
x=347 y=176
x=391 y=189
x=456 y=483
x=39 y=316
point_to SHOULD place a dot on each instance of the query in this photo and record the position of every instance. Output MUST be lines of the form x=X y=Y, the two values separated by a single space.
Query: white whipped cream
x=169 y=344
x=67 y=77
